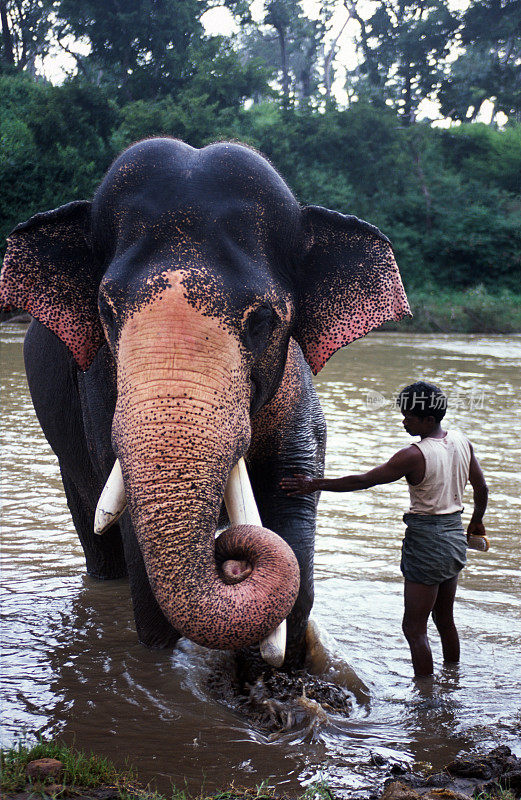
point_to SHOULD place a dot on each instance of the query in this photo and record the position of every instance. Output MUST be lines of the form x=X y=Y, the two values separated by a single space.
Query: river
x=72 y=666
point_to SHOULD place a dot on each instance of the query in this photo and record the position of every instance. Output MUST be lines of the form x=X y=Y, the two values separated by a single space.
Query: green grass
x=499 y=794
x=85 y=772
x=318 y=790
x=474 y=310
x=79 y=769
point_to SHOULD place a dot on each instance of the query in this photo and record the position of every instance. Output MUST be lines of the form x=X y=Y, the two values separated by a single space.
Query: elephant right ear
x=50 y=271
x=349 y=283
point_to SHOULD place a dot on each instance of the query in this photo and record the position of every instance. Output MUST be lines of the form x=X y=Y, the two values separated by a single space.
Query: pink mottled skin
x=196 y=282
x=393 y=306
x=181 y=423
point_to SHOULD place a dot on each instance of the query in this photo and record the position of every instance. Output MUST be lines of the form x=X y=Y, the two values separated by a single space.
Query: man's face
x=417 y=426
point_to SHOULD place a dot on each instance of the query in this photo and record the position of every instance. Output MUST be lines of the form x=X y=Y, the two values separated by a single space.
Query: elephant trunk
x=181 y=424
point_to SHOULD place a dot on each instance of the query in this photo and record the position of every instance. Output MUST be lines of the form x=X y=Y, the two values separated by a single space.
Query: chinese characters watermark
x=470 y=400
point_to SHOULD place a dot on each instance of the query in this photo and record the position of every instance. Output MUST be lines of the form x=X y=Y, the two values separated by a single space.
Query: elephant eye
x=259 y=327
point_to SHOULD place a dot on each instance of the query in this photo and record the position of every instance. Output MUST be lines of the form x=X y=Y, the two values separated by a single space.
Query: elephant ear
x=49 y=270
x=349 y=283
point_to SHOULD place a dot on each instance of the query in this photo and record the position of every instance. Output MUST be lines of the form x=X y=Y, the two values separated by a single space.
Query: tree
x=55 y=145
x=404 y=46
x=140 y=48
x=330 y=51
x=26 y=26
x=291 y=44
x=149 y=49
x=489 y=67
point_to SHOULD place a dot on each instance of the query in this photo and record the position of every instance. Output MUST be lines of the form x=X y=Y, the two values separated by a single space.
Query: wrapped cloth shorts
x=434 y=548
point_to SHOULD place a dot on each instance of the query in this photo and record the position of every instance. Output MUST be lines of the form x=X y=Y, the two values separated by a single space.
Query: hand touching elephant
x=174 y=316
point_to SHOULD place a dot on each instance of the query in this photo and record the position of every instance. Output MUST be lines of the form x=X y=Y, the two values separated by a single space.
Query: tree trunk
x=6 y=36
x=284 y=65
x=423 y=183
x=407 y=106
x=328 y=61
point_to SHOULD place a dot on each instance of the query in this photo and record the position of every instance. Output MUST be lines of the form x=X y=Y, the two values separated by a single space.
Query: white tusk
x=273 y=647
x=238 y=497
x=112 y=502
x=242 y=510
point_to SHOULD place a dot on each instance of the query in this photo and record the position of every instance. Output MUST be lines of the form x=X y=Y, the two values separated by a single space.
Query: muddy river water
x=72 y=666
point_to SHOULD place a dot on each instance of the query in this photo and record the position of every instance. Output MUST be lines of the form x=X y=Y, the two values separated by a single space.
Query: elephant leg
x=153 y=628
x=53 y=383
x=115 y=554
x=104 y=555
x=300 y=535
x=75 y=412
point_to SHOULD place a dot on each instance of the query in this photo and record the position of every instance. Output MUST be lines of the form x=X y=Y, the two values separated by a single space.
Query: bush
x=448 y=199
x=475 y=310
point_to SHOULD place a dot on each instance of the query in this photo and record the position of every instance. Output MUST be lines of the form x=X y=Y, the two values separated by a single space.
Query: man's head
x=423 y=406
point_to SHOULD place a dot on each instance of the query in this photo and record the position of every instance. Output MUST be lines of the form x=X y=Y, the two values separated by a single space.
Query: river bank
x=473 y=310
x=51 y=769
x=435 y=310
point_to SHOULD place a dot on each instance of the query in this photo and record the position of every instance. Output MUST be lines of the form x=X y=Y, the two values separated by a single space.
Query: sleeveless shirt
x=447 y=463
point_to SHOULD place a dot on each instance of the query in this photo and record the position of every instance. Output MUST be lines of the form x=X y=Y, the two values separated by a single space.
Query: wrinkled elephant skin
x=174 y=316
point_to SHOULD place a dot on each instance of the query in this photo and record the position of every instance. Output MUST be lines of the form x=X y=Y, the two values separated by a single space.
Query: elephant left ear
x=349 y=283
x=49 y=270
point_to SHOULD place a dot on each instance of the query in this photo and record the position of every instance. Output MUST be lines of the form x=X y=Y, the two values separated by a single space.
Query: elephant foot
x=153 y=630
x=278 y=702
x=298 y=697
x=159 y=641
x=250 y=665
x=102 y=576
x=299 y=702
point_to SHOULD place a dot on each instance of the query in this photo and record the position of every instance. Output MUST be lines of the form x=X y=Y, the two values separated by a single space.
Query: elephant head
x=197 y=267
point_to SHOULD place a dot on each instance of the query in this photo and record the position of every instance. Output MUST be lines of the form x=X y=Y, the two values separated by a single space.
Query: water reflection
x=72 y=664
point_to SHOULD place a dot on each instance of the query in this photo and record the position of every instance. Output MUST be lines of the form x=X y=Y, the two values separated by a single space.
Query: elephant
x=177 y=318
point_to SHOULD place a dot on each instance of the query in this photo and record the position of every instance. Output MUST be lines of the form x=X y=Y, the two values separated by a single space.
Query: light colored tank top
x=447 y=463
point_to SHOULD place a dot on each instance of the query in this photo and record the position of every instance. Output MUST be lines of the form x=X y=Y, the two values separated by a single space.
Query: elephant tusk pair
x=242 y=510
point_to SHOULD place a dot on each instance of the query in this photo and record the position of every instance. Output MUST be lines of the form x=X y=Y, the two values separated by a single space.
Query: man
x=437 y=469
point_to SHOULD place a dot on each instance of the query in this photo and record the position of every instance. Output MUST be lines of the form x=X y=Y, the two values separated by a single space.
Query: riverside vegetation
x=449 y=198
x=93 y=777
x=52 y=769
x=472 y=310
x=458 y=248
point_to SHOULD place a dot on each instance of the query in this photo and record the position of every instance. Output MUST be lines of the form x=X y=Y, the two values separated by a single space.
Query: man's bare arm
x=477 y=480
x=399 y=465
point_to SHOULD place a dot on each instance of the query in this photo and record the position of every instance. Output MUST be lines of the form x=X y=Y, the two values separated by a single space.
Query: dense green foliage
x=475 y=310
x=448 y=198
x=488 y=66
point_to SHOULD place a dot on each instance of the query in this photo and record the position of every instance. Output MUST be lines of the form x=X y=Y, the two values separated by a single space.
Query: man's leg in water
x=419 y=600
x=442 y=614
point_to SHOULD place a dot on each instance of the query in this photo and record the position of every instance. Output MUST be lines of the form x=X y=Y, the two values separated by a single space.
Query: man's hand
x=477 y=480
x=475 y=529
x=298 y=484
